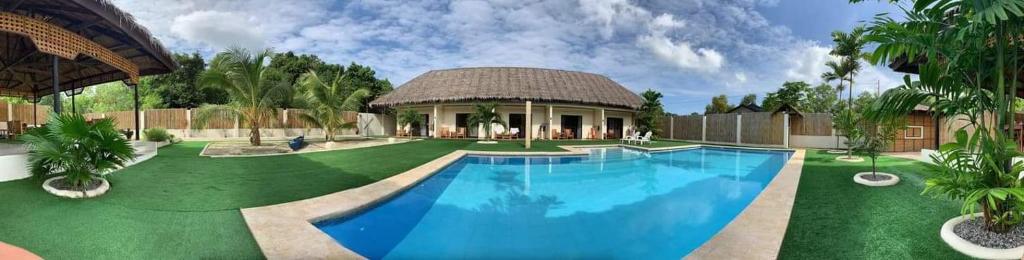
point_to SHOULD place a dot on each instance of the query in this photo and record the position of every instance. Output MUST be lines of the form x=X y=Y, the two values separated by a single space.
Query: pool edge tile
x=766 y=218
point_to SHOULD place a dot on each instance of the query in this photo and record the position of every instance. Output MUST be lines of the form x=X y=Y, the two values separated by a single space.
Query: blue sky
x=689 y=50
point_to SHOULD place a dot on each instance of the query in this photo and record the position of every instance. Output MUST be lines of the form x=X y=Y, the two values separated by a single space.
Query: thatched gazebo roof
x=26 y=68
x=511 y=84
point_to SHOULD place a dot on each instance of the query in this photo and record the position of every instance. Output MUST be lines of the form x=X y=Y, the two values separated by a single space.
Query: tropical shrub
x=408 y=117
x=968 y=65
x=71 y=147
x=327 y=101
x=846 y=122
x=486 y=115
x=651 y=112
x=156 y=135
x=876 y=137
x=251 y=85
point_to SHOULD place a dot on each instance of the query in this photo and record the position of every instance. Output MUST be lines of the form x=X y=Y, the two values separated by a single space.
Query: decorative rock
x=893 y=179
x=104 y=186
x=971 y=249
x=853 y=159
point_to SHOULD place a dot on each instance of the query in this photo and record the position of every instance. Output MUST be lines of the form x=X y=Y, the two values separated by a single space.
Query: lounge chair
x=628 y=139
x=645 y=139
x=444 y=133
x=610 y=134
x=555 y=134
x=513 y=133
x=460 y=132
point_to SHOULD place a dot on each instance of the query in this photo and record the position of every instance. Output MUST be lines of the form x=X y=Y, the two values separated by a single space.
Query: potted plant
x=73 y=154
x=486 y=115
x=876 y=137
x=408 y=117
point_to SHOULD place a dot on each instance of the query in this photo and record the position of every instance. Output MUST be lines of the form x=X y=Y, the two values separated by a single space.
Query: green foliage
x=408 y=117
x=69 y=146
x=328 y=99
x=847 y=125
x=965 y=63
x=719 y=104
x=486 y=115
x=180 y=88
x=792 y=93
x=819 y=99
x=250 y=83
x=650 y=112
x=749 y=99
x=156 y=135
x=355 y=76
x=877 y=134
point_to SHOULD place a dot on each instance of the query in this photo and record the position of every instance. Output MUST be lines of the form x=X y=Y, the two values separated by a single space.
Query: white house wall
x=539 y=116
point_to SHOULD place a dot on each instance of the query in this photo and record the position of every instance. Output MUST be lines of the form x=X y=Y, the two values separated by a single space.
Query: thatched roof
x=513 y=85
x=96 y=20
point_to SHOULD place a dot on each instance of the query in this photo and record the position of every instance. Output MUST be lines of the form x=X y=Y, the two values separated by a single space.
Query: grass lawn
x=835 y=218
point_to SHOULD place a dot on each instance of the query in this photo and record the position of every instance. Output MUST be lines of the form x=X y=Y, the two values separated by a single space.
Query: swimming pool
x=612 y=203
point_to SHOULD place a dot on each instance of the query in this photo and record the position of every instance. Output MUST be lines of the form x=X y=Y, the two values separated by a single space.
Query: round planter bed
x=853 y=159
x=487 y=142
x=53 y=186
x=883 y=179
x=836 y=151
x=958 y=243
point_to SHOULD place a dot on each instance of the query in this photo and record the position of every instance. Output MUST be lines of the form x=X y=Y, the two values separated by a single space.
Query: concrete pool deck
x=285 y=231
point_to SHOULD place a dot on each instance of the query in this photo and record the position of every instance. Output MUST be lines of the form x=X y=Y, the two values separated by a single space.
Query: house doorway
x=517 y=121
x=462 y=121
x=573 y=123
x=614 y=127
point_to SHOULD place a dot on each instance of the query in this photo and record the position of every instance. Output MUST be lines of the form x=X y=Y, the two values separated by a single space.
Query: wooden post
x=785 y=130
x=704 y=128
x=529 y=124
x=671 y=127
x=138 y=127
x=188 y=122
x=739 y=128
x=55 y=71
x=10 y=112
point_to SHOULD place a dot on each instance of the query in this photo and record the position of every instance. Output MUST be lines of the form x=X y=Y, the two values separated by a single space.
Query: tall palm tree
x=251 y=86
x=487 y=115
x=848 y=47
x=327 y=101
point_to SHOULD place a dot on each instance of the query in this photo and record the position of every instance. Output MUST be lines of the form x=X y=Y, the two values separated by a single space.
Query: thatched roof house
x=511 y=84
x=584 y=104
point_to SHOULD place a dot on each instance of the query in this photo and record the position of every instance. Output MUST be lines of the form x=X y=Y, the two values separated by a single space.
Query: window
x=914 y=132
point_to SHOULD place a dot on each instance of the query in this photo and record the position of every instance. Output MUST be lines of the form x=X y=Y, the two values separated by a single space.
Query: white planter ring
x=854 y=159
x=103 y=188
x=893 y=179
x=971 y=249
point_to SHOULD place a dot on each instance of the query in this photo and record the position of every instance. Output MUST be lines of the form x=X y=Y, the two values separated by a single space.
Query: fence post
x=142 y=121
x=704 y=128
x=188 y=122
x=672 y=127
x=739 y=128
x=237 y=133
x=785 y=130
x=285 y=120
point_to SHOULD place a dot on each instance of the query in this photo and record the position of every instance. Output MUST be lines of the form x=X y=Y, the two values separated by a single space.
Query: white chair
x=513 y=132
x=645 y=139
x=630 y=138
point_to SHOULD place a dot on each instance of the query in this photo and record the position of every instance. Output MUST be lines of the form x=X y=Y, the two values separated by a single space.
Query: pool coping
x=285 y=231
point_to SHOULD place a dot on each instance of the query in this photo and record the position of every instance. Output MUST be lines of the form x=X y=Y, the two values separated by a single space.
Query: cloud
x=218 y=29
x=682 y=55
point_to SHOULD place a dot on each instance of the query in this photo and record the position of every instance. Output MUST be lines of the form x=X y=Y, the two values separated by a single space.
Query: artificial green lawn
x=835 y=218
x=181 y=205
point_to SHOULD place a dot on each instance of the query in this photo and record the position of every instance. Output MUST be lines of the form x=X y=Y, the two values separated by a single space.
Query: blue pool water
x=614 y=203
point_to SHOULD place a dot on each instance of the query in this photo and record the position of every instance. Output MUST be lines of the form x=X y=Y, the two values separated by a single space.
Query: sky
x=689 y=50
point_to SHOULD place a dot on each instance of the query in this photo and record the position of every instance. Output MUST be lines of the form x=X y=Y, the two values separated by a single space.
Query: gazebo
x=53 y=46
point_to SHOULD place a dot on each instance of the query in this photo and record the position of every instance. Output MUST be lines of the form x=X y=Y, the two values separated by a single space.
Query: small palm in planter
x=486 y=115
x=408 y=117
x=74 y=153
x=876 y=137
x=848 y=123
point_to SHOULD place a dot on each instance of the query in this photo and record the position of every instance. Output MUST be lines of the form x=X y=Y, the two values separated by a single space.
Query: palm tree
x=838 y=72
x=408 y=117
x=486 y=114
x=78 y=150
x=848 y=47
x=327 y=101
x=251 y=85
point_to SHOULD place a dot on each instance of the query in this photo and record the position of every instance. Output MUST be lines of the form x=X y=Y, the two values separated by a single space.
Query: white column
x=433 y=123
x=237 y=133
x=671 y=127
x=529 y=131
x=704 y=128
x=739 y=128
x=142 y=120
x=10 y=111
x=604 y=125
x=188 y=122
x=285 y=118
x=551 y=121
x=785 y=130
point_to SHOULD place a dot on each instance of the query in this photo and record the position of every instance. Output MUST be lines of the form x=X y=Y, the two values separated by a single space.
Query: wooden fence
x=23 y=113
x=816 y=124
x=721 y=128
x=178 y=118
